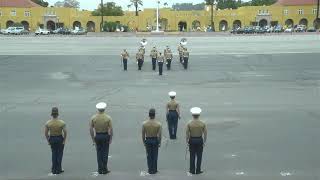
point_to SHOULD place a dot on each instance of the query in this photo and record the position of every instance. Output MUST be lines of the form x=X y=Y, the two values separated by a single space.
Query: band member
x=185 y=58
x=125 y=57
x=139 y=58
x=168 y=57
x=154 y=56
x=160 y=60
x=180 y=50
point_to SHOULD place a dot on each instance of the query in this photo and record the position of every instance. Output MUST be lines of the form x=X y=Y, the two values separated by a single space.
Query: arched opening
x=91 y=26
x=223 y=25
x=303 y=22
x=237 y=24
x=289 y=23
x=25 y=24
x=263 y=23
x=76 y=24
x=164 y=24
x=182 y=25
x=9 y=24
x=196 y=25
x=51 y=25
x=316 y=23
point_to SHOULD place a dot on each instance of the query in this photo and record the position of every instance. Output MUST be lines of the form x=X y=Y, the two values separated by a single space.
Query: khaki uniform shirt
x=186 y=54
x=180 y=49
x=196 y=128
x=142 y=50
x=168 y=54
x=101 y=122
x=125 y=55
x=55 y=127
x=172 y=105
x=139 y=55
x=152 y=128
x=154 y=54
x=160 y=59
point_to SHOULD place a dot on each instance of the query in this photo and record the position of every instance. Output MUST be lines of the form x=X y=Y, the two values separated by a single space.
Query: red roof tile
x=18 y=3
x=296 y=2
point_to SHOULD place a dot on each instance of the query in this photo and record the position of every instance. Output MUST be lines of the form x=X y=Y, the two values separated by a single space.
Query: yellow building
x=284 y=12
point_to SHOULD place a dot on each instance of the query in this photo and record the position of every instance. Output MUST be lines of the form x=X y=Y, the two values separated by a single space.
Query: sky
x=92 y=4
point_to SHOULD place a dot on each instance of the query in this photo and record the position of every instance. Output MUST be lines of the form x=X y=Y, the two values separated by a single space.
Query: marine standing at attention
x=173 y=114
x=196 y=137
x=101 y=132
x=56 y=135
x=151 y=138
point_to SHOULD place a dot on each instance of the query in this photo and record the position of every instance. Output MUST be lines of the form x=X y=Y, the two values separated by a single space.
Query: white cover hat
x=101 y=105
x=195 y=111
x=172 y=94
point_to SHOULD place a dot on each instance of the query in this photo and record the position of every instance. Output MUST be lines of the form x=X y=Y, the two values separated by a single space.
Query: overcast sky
x=92 y=4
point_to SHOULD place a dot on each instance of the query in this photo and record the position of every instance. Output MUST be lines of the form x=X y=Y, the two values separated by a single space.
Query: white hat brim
x=195 y=110
x=101 y=105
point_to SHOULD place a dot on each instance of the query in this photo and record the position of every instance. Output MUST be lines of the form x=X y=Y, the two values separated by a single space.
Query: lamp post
x=157 y=29
x=318 y=8
x=101 y=25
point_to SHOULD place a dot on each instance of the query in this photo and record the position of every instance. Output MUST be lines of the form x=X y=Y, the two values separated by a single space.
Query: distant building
x=284 y=12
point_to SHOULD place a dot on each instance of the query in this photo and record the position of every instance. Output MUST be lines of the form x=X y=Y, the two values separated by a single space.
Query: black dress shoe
x=192 y=172
x=106 y=172
x=199 y=172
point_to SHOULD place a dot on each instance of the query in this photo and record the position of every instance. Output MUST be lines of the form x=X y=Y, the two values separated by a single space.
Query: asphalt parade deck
x=259 y=95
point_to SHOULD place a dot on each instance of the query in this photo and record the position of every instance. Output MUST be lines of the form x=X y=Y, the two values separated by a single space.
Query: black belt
x=103 y=133
x=151 y=137
x=57 y=136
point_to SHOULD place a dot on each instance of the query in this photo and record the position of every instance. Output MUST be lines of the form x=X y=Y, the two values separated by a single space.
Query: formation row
x=157 y=57
x=101 y=132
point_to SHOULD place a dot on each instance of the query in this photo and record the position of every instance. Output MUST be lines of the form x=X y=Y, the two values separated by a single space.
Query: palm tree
x=136 y=4
x=211 y=4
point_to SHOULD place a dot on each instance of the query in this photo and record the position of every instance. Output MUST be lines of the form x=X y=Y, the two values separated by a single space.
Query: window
x=13 y=13
x=300 y=11
x=285 y=12
x=314 y=11
x=27 y=14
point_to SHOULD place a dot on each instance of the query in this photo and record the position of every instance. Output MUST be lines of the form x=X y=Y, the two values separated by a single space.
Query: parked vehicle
x=311 y=29
x=14 y=30
x=288 y=30
x=248 y=30
x=237 y=30
x=269 y=29
x=79 y=31
x=300 y=28
x=259 y=30
x=42 y=32
x=278 y=29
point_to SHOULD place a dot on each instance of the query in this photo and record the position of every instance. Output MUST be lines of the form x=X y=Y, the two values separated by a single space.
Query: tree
x=136 y=4
x=259 y=3
x=41 y=3
x=109 y=9
x=227 y=4
x=68 y=4
x=188 y=6
x=211 y=4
